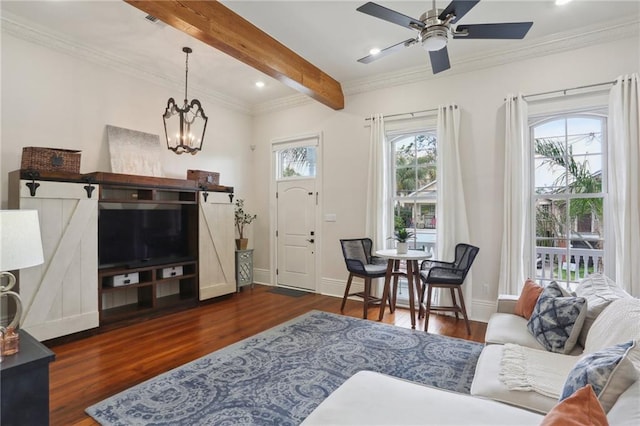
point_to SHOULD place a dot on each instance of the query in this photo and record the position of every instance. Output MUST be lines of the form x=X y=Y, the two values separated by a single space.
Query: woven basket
x=50 y=159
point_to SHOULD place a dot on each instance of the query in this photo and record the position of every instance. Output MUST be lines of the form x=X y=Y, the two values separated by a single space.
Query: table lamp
x=20 y=247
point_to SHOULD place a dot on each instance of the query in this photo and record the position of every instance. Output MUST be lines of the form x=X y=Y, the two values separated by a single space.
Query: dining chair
x=360 y=263
x=451 y=275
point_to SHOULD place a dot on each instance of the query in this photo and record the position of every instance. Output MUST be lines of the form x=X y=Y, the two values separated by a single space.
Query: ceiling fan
x=435 y=29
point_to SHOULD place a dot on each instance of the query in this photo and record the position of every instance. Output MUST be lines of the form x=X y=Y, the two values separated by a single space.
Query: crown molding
x=549 y=45
x=12 y=25
x=557 y=43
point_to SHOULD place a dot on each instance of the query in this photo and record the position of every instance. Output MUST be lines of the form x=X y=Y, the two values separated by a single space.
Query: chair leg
x=423 y=289
x=392 y=299
x=454 y=301
x=427 y=309
x=464 y=310
x=367 y=291
x=346 y=292
x=394 y=293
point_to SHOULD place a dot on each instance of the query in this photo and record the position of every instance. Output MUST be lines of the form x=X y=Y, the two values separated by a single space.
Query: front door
x=296 y=207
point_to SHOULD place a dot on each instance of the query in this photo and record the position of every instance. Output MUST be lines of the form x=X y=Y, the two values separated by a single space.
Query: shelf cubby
x=148 y=299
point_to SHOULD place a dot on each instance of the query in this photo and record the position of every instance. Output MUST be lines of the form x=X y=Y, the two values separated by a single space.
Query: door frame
x=276 y=145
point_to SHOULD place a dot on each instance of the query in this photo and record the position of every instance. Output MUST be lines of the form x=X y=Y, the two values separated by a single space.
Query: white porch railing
x=567 y=265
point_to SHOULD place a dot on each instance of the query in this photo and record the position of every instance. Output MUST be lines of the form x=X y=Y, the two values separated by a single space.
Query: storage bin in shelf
x=148 y=293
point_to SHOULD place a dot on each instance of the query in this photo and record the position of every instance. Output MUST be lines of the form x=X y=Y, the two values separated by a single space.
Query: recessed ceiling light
x=374 y=51
x=562 y=2
x=259 y=83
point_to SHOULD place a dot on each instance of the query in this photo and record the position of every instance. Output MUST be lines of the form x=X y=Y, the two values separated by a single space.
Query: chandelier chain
x=186 y=76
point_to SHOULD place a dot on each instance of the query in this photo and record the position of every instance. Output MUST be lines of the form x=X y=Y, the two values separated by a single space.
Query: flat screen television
x=136 y=237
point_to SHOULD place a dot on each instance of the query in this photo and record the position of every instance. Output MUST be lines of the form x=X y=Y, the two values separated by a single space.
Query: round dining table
x=411 y=257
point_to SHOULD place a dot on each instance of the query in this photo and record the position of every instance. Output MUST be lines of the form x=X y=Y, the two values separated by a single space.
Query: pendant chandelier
x=184 y=127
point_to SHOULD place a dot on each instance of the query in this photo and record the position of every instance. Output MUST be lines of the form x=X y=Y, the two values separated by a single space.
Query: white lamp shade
x=20 y=240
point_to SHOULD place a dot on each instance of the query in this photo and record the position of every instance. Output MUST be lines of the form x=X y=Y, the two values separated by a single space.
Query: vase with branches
x=242 y=219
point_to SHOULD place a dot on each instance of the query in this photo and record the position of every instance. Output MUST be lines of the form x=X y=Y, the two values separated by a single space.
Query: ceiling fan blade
x=389 y=15
x=387 y=51
x=458 y=8
x=512 y=30
x=439 y=60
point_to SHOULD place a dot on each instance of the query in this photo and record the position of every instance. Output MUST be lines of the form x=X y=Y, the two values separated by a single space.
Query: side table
x=413 y=276
x=24 y=384
x=244 y=268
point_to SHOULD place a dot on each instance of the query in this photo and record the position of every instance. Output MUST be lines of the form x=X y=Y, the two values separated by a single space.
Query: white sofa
x=617 y=323
x=369 y=398
x=377 y=399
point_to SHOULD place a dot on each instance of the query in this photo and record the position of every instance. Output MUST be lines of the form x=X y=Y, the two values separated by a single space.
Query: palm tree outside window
x=568 y=196
x=414 y=188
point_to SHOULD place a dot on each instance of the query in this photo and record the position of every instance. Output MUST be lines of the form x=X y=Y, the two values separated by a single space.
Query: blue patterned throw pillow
x=557 y=319
x=609 y=371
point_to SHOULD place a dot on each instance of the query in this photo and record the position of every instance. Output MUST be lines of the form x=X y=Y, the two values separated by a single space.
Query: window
x=414 y=186
x=297 y=162
x=569 y=190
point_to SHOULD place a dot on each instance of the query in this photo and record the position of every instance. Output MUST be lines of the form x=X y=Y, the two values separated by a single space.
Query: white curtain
x=376 y=219
x=452 y=226
x=515 y=259
x=624 y=180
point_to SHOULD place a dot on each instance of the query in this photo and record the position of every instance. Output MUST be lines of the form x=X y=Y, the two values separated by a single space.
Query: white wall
x=480 y=95
x=53 y=99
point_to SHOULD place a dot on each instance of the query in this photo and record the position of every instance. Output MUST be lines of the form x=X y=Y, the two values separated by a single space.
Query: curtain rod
x=564 y=91
x=410 y=114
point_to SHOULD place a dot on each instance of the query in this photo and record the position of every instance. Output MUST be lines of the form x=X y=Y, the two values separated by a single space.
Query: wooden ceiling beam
x=220 y=27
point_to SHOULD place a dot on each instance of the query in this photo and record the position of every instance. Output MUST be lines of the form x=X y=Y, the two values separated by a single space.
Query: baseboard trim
x=481 y=310
x=262 y=276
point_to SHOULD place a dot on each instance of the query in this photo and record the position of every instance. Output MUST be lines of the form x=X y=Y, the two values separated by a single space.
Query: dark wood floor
x=93 y=368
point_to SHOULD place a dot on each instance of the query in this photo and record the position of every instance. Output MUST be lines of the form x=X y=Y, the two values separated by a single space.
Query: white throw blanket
x=527 y=369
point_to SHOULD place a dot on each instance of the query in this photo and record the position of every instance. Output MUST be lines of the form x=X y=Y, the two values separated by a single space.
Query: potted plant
x=401 y=235
x=241 y=219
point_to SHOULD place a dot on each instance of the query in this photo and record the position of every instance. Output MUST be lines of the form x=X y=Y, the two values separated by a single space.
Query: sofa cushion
x=486 y=382
x=580 y=408
x=374 y=398
x=609 y=371
x=509 y=328
x=557 y=320
x=528 y=298
x=526 y=369
x=599 y=290
x=618 y=323
x=626 y=411
x=506 y=303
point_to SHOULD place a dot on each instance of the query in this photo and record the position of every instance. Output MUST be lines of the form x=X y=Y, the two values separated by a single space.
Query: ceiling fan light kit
x=435 y=30
x=435 y=33
x=434 y=39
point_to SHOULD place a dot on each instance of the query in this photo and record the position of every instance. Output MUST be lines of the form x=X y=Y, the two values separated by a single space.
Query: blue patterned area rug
x=280 y=375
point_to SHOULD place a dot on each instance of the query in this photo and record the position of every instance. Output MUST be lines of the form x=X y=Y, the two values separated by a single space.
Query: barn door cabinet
x=216 y=245
x=69 y=294
x=60 y=296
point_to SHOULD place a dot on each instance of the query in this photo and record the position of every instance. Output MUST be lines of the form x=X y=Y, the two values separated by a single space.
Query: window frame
x=599 y=113
x=393 y=136
x=311 y=142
